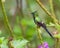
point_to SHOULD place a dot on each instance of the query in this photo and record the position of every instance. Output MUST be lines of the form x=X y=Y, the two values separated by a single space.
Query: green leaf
x=30 y=32
x=57 y=36
x=4 y=43
x=27 y=22
x=1 y=40
x=19 y=43
x=51 y=24
x=49 y=40
x=17 y=30
x=4 y=46
x=57 y=26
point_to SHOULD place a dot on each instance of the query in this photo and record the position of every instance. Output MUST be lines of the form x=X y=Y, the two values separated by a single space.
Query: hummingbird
x=41 y=24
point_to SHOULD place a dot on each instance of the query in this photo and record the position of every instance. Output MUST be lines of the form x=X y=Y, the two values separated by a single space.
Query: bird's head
x=35 y=13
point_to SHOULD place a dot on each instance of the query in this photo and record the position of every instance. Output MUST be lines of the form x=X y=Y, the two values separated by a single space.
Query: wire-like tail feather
x=49 y=32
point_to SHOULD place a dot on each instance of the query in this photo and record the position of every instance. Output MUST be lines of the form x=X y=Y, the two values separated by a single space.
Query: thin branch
x=52 y=8
x=46 y=11
x=39 y=35
x=6 y=18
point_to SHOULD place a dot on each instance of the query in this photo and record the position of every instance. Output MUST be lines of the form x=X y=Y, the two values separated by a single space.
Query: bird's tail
x=49 y=33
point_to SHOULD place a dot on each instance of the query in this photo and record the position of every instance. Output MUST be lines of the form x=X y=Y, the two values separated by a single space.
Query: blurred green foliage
x=25 y=26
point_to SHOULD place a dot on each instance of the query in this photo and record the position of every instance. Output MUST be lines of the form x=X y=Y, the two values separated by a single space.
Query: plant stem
x=51 y=7
x=6 y=18
x=46 y=11
x=0 y=46
x=39 y=35
x=57 y=43
x=52 y=11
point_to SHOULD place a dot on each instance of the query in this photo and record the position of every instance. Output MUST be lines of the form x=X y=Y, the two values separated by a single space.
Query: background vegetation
x=17 y=27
